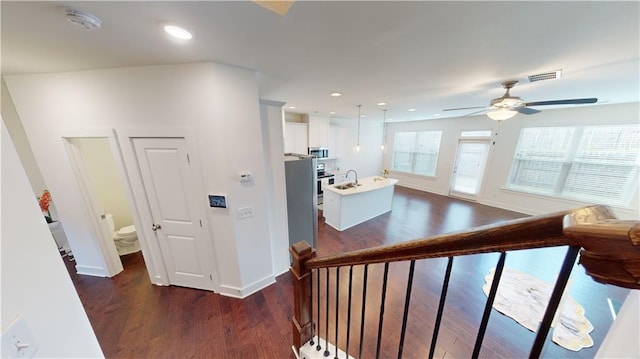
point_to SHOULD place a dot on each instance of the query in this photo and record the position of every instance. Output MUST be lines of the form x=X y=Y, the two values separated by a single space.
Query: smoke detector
x=82 y=20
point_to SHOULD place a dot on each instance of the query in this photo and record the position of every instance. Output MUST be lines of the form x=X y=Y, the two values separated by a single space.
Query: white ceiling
x=423 y=55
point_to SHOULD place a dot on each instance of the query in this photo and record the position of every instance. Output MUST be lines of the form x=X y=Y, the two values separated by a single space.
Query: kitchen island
x=346 y=205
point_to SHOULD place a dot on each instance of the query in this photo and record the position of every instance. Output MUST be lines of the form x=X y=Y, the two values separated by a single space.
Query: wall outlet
x=245 y=212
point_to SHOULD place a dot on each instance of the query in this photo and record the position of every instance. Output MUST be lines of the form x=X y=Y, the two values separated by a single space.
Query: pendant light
x=384 y=129
x=358 y=144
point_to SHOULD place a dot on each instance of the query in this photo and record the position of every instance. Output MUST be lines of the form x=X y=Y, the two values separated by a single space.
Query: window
x=538 y=159
x=593 y=164
x=416 y=152
x=476 y=133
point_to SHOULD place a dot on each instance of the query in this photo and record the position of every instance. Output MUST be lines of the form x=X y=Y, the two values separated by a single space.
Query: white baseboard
x=236 y=292
x=480 y=201
x=421 y=188
x=228 y=291
x=281 y=272
x=511 y=208
x=92 y=271
x=158 y=280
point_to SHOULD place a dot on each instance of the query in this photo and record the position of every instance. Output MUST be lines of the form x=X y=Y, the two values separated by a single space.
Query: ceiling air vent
x=551 y=75
x=82 y=20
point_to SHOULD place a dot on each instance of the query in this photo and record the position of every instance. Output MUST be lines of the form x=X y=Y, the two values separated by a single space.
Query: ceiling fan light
x=501 y=114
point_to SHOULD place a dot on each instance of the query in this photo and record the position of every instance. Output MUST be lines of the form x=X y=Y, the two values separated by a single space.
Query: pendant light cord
x=358 y=145
x=384 y=128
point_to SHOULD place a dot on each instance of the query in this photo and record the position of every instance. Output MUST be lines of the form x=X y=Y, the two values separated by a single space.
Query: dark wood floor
x=134 y=319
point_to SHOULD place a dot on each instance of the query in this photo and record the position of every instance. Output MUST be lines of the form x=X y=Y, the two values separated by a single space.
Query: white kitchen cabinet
x=337 y=136
x=295 y=137
x=319 y=132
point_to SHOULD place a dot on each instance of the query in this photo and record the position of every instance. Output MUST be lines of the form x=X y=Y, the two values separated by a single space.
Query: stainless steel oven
x=323 y=178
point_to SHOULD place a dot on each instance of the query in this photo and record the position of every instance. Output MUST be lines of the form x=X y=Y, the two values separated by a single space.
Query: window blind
x=416 y=152
x=593 y=163
x=605 y=163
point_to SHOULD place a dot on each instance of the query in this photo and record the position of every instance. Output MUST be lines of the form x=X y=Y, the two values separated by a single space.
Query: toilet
x=125 y=238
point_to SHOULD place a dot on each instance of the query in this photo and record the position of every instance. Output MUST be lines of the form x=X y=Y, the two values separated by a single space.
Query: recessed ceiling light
x=411 y=109
x=362 y=116
x=332 y=112
x=178 y=32
x=436 y=114
x=292 y=107
x=336 y=94
x=382 y=103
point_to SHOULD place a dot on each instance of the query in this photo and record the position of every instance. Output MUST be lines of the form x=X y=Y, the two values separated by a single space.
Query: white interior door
x=468 y=171
x=93 y=207
x=169 y=184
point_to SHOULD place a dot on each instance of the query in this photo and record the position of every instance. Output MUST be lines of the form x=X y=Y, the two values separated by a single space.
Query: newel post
x=610 y=248
x=301 y=322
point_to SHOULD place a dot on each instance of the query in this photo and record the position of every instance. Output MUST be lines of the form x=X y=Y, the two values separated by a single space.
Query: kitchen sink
x=346 y=186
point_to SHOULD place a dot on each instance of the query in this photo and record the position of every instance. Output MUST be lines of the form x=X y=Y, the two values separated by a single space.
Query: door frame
x=90 y=202
x=155 y=264
x=452 y=192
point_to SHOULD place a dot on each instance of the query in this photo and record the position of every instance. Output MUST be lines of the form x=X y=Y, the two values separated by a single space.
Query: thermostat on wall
x=217 y=201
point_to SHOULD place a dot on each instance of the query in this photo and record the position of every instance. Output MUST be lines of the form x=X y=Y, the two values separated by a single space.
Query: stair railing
x=609 y=250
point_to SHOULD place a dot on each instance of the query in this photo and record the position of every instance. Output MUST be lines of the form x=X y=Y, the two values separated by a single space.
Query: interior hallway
x=134 y=319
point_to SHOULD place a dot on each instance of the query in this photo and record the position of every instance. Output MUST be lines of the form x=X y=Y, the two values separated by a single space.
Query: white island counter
x=346 y=207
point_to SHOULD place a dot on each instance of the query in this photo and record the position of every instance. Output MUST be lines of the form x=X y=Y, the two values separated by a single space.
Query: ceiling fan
x=507 y=106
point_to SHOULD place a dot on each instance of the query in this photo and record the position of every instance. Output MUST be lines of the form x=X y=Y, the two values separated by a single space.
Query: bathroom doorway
x=101 y=184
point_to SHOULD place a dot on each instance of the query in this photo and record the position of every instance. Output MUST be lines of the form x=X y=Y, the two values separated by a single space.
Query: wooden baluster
x=301 y=322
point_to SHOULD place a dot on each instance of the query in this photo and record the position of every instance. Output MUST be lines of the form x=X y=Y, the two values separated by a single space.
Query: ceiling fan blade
x=462 y=108
x=475 y=112
x=526 y=110
x=575 y=101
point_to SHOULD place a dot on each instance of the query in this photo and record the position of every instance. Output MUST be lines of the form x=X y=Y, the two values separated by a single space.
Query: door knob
x=155 y=227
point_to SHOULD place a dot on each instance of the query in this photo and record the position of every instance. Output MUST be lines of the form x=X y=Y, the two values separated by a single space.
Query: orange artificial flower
x=45 y=201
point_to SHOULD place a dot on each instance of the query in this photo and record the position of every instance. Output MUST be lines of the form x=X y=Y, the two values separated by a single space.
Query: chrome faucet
x=346 y=175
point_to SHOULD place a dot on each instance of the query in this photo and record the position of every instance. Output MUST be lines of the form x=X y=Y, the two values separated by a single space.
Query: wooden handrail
x=525 y=233
x=610 y=252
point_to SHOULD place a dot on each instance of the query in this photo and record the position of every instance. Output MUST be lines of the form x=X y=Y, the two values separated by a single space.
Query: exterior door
x=169 y=184
x=468 y=171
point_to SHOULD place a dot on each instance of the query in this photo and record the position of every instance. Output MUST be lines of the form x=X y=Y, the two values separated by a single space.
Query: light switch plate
x=245 y=212
x=18 y=341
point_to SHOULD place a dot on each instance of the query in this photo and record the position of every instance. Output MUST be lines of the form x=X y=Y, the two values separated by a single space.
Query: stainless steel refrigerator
x=302 y=198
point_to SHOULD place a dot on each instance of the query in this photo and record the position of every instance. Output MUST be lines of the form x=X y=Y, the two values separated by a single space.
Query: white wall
x=501 y=155
x=622 y=338
x=218 y=103
x=272 y=117
x=35 y=283
x=368 y=161
x=21 y=142
x=105 y=179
